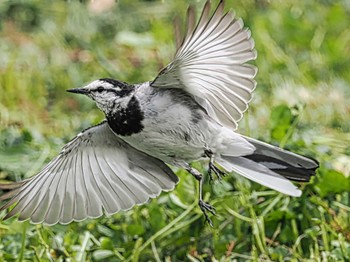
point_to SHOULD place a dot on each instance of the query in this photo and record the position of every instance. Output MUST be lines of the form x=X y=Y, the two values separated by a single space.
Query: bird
x=189 y=112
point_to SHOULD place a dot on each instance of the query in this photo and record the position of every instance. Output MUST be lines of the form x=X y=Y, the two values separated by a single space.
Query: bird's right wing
x=95 y=171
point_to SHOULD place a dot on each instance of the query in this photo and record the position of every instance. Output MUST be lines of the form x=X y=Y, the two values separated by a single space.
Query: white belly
x=171 y=138
x=175 y=128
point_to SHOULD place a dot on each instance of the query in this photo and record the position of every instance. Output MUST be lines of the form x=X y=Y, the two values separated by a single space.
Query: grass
x=302 y=103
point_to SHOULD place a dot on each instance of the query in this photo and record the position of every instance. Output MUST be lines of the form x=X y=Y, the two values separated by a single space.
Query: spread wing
x=210 y=64
x=95 y=171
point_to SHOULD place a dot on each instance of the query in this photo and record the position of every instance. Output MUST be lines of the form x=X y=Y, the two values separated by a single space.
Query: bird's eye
x=100 y=89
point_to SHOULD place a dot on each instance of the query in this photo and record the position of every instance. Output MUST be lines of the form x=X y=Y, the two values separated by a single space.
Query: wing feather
x=210 y=65
x=94 y=173
x=81 y=200
x=46 y=197
x=26 y=194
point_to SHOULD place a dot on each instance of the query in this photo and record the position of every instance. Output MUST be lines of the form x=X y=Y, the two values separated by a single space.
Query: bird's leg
x=204 y=206
x=212 y=167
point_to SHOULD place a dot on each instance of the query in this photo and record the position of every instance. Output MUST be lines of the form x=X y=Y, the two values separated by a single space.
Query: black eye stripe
x=117 y=92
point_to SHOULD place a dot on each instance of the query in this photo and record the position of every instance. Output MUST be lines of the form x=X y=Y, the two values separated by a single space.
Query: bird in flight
x=189 y=112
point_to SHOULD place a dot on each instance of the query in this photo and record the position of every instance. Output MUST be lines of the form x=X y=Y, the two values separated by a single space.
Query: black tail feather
x=295 y=172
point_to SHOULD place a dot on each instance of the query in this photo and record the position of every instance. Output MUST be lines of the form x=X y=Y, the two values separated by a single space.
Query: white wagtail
x=189 y=112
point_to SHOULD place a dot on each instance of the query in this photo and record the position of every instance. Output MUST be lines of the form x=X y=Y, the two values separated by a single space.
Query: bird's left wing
x=210 y=64
x=95 y=171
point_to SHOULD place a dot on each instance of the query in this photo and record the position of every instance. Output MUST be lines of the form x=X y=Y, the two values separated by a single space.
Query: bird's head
x=105 y=92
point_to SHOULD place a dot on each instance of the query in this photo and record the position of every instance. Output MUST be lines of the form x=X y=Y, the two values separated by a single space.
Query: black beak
x=78 y=91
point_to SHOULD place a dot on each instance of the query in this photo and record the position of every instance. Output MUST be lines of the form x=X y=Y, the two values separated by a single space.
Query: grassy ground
x=302 y=103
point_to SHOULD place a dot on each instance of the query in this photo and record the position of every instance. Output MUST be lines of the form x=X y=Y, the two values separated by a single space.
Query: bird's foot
x=206 y=207
x=214 y=169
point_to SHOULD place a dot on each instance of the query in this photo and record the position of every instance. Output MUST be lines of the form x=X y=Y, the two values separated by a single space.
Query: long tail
x=272 y=167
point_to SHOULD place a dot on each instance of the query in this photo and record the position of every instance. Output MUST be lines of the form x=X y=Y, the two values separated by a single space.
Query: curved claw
x=219 y=173
x=212 y=167
x=206 y=207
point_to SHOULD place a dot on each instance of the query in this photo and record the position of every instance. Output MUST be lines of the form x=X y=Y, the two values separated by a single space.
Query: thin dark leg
x=212 y=167
x=204 y=206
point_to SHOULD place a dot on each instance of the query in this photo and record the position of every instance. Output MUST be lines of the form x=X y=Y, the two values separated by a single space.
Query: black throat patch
x=127 y=121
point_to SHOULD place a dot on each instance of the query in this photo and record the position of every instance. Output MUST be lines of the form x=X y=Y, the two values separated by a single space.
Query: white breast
x=172 y=130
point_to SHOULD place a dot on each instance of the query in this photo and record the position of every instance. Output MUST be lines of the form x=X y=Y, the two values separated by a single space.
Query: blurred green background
x=302 y=103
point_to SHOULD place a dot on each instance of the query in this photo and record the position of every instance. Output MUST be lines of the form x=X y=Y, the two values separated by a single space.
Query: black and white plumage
x=96 y=169
x=188 y=113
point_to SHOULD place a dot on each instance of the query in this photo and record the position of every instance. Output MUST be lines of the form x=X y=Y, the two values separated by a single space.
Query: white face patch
x=100 y=83
x=103 y=93
x=109 y=94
